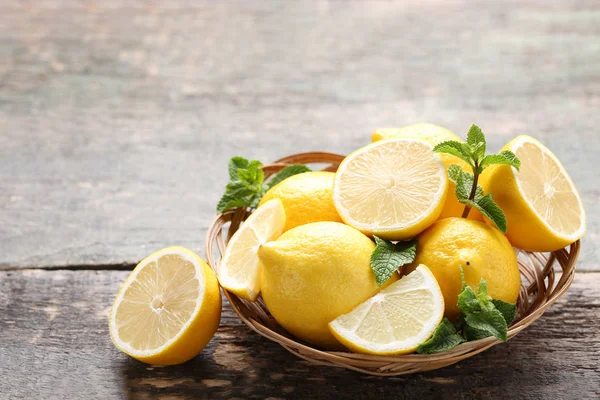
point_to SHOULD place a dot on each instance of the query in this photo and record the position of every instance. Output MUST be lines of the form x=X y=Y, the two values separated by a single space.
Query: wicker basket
x=541 y=286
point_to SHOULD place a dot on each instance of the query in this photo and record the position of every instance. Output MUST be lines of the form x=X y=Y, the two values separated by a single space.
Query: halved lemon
x=396 y=320
x=239 y=269
x=168 y=309
x=391 y=188
x=542 y=206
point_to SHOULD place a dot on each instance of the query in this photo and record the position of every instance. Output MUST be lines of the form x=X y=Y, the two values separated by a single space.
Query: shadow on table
x=262 y=369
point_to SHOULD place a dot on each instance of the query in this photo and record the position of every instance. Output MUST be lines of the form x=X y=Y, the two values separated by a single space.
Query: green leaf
x=508 y=310
x=253 y=176
x=476 y=141
x=228 y=202
x=388 y=257
x=455 y=148
x=464 y=183
x=490 y=210
x=236 y=163
x=482 y=295
x=285 y=173
x=467 y=301
x=444 y=338
x=489 y=321
x=505 y=157
x=245 y=186
x=471 y=333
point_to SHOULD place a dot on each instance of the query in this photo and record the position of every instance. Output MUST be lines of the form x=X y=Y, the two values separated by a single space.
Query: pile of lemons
x=306 y=250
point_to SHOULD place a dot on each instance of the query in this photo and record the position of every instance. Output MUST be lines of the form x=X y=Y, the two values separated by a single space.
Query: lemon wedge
x=391 y=188
x=168 y=309
x=542 y=206
x=396 y=320
x=239 y=269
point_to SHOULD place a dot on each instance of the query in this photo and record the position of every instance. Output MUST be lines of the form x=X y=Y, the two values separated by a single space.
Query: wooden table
x=118 y=120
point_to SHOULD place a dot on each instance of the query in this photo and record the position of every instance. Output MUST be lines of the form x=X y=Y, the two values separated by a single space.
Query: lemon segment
x=168 y=308
x=543 y=209
x=239 y=269
x=391 y=188
x=396 y=320
x=306 y=198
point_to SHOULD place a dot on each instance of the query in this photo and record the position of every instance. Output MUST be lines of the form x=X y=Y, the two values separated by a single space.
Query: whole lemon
x=434 y=134
x=306 y=198
x=314 y=273
x=482 y=251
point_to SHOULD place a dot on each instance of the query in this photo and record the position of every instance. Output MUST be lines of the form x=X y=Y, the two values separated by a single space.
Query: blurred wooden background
x=118 y=119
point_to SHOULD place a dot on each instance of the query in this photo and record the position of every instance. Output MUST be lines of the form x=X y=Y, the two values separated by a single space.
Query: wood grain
x=55 y=344
x=118 y=119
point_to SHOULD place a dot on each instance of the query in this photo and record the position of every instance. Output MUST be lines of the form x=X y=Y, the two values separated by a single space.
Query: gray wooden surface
x=118 y=119
x=55 y=344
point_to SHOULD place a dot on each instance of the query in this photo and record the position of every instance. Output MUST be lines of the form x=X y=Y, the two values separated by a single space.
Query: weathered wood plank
x=55 y=344
x=118 y=119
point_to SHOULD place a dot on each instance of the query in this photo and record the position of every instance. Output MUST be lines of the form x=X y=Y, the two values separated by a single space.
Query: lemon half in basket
x=239 y=269
x=396 y=320
x=542 y=206
x=391 y=188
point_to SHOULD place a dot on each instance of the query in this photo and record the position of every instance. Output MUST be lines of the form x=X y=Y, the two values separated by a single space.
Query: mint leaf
x=239 y=194
x=476 y=141
x=482 y=294
x=490 y=209
x=285 y=173
x=388 y=257
x=464 y=183
x=245 y=187
x=236 y=163
x=458 y=149
x=467 y=301
x=444 y=337
x=508 y=310
x=504 y=157
x=228 y=202
x=471 y=333
x=488 y=321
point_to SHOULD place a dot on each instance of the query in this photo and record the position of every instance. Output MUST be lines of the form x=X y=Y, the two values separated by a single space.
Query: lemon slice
x=239 y=269
x=391 y=188
x=396 y=320
x=542 y=206
x=168 y=309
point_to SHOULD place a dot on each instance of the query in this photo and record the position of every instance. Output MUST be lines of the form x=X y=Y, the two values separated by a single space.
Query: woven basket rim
x=543 y=288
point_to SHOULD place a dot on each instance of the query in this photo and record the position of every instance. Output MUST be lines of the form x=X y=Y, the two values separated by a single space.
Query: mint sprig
x=246 y=183
x=444 y=338
x=480 y=317
x=388 y=257
x=468 y=191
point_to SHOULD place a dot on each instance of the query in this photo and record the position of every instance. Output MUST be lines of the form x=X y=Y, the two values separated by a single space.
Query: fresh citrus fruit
x=313 y=274
x=430 y=133
x=434 y=134
x=392 y=188
x=306 y=198
x=397 y=319
x=168 y=309
x=239 y=269
x=542 y=206
x=482 y=251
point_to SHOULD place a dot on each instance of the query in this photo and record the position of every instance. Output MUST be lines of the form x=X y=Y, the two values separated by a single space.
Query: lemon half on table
x=168 y=309
x=391 y=188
